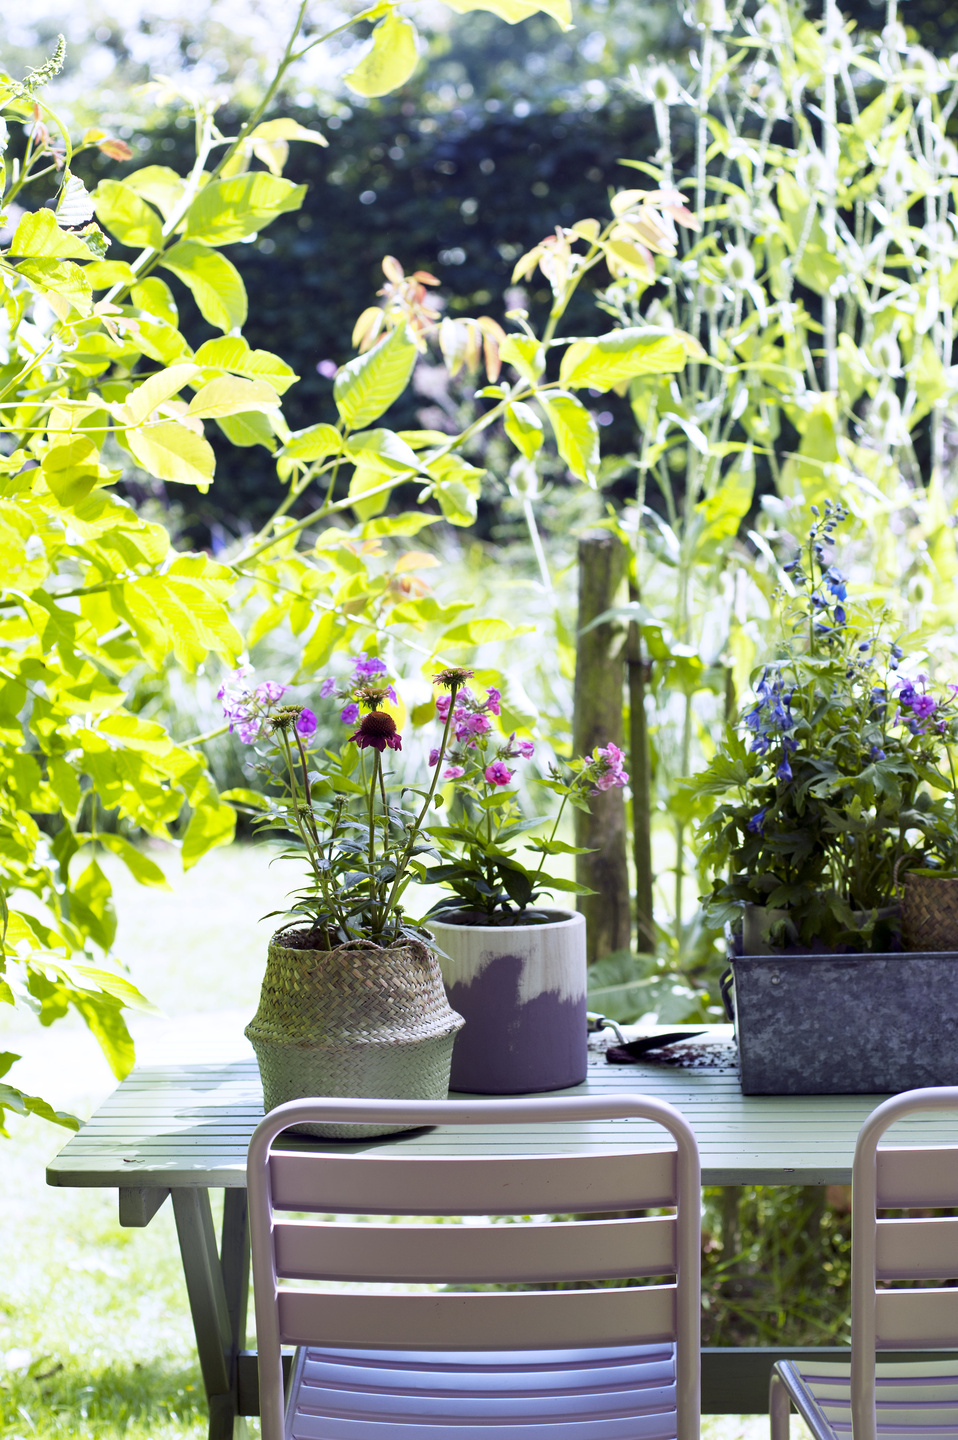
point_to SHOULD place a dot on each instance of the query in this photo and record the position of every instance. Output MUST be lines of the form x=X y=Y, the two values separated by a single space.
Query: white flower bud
x=768 y=24
x=660 y=84
x=810 y=172
x=740 y=267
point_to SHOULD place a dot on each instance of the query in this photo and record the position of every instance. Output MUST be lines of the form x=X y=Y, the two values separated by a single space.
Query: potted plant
x=352 y=1000
x=830 y=788
x=514 y=968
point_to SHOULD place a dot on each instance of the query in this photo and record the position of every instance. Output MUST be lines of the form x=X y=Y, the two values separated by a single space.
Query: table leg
x=216 y=1284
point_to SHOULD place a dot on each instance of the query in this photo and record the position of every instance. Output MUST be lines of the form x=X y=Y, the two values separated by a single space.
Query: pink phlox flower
x=366 y=668
x=498 y=773
x=392 y=694
x=327 y=688
x=349 y=713
x=924 y=706
x=612 y=779
x=897 y=719
x=941 y=727
x=477 y=724
x=306 y=723
x=248 y=730
x=492 y=700
x=525 y=748
x=453 y=772
x=612 y=754
x=434 y=756
x=442 y=706
x=269 y=691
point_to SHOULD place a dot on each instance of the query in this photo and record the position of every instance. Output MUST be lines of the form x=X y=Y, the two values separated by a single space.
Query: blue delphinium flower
x=757 y=823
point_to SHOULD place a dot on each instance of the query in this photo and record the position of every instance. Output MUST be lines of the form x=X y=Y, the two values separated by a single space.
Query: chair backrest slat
x=917 y=1177
x=560 y=1319
x=473 y=1185
x=916 y=1319
x=463 y=1254
x=919 y=1249
x=390 y=1181
x=895 y=1177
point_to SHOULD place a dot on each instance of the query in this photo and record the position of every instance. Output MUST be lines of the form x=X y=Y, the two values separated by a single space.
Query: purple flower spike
x=306 y=724
x=349 y=713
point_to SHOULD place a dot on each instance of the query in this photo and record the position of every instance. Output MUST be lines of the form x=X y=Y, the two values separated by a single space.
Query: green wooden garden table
x=181 y=1129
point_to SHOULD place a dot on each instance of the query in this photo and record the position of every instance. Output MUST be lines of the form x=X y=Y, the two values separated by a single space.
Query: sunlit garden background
x=711 y=253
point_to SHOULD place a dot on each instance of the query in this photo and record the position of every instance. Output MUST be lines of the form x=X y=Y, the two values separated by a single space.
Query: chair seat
x=626 y=1393
x=912 y=1399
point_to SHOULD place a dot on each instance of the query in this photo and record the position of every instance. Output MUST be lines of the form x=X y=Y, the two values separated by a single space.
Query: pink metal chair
x=868 y=1400
x=613 y=1363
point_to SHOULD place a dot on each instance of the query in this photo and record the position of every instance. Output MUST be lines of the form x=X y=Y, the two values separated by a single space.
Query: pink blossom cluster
x=470 y=726
x=247 y=709
x=365 y=673
x=605 y=769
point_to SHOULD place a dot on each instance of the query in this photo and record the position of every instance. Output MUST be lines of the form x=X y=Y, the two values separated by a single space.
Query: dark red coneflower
x=378 y=730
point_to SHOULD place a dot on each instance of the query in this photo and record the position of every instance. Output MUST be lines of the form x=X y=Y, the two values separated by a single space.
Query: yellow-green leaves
x=575 y=431
x=39 y=234
x=515 y=10
x=524 y=428
x=141 y=402
x=127 y=217
x=229 y=210
x=233 y=353
x=231 y=395
x=216 y=283
x=390 y=61
x=62 y=282
x=620 y=355
x=183 y=611
x=314 y=443
x=526 y=354
x=169 y=451
x=369 y=384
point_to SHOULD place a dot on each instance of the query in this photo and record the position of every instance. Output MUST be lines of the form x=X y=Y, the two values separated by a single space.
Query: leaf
x=482 y=632
x=231 y=395
x=140 y=866
x=390 y=61
x=269 y=142
x=216 y=283
x=126 y=216
x=524 y=428
x=158 y=184
x=366 y=478
x=21 y=1104
x=252 y=428
x=369 y=384
x=229 y=210
x=169 y=451
x=212 y=823
x=315 y=443
x=381 y=450
x=526 y=354
x=513 y=11
x=619 y=356
x=63 y=283
x=232 y=352
x=575 y=431
x=38 y=234
x=239 y=796
x=141 y=402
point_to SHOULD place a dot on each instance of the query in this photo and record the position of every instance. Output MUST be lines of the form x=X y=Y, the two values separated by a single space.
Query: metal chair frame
x=900 y=1177
x=383 y=1181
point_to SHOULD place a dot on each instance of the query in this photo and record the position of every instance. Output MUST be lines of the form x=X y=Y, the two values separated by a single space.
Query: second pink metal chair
x=896 y=1401
x=616 y=1362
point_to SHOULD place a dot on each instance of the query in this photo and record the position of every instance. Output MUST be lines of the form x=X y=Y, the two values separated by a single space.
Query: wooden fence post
x=597 y=720
x=640 y=779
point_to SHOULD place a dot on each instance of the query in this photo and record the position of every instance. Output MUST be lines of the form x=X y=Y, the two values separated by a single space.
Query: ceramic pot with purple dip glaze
x=521 y=990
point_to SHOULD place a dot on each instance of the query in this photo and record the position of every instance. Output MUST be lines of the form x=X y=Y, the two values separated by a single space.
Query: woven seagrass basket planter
x=929 y=913
x=359 y=1021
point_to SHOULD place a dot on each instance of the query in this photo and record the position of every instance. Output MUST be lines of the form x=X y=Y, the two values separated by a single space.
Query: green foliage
x=91 y=594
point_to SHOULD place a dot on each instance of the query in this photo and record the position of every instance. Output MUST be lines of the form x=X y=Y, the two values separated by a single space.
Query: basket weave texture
x=360 y=1020
x=929 y=913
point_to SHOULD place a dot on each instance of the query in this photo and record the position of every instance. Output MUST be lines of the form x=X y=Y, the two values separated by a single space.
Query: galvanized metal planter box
x=845 y=1024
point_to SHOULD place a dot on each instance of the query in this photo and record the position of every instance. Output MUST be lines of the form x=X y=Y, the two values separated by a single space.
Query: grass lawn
x=95 y=1335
